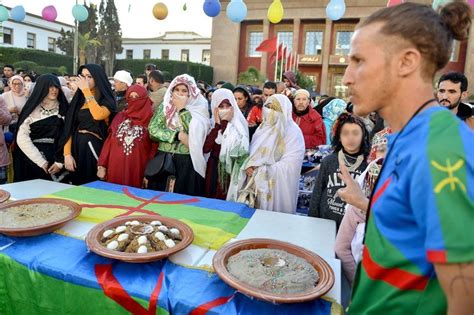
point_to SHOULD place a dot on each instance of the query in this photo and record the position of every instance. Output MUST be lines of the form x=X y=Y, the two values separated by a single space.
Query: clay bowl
x=45 y=228
x=95 y=234
x=326 y=275
x=4 y=195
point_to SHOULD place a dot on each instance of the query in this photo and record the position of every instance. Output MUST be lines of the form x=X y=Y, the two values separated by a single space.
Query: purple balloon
x=49 y=13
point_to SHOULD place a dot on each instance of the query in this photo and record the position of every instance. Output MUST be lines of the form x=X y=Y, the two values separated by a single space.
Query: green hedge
x=42 y=61
x=173 y=67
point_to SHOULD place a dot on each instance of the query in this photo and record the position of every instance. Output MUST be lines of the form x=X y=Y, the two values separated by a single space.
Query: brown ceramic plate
x=326 y=275
x=94 y=236
x=45 y=228
x=4 y=195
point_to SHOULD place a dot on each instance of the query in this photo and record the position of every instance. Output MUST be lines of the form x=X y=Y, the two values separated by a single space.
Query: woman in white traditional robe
x=272 y=170
x=227 y=143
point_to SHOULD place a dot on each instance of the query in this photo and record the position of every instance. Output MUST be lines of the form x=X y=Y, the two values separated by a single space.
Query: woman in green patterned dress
x=180 y=125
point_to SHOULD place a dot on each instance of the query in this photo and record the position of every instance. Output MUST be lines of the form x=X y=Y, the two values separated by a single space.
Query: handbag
x=248 y=194
x=161 y=163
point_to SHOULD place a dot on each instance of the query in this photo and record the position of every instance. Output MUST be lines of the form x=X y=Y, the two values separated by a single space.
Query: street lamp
x=76 y=44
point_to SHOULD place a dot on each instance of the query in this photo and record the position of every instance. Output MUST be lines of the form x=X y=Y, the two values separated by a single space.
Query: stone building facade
x=321 y=44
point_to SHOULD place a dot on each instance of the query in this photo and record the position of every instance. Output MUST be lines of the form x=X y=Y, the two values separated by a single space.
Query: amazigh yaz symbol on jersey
x=451 y=179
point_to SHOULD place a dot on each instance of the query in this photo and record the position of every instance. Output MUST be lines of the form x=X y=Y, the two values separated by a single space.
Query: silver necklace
x=49 y=111
x=350 y=166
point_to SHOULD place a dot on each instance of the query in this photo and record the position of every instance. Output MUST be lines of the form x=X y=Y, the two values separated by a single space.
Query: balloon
x=185 y=7
x=18 y=13
x=49 y=13
x=80 y=12
x=236 y=11
x=275 y=12
x=3 y=14
x=392 y=3
x=212 y=8
x=438 y=3
x=335 y=9
x=471 y=2
x=160 y=11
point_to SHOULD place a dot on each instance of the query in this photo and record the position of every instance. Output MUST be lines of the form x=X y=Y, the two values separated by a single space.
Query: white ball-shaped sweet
x=135 y=222
x=120 y=229
x=113 y=245
x=169 y=243
x=142 y=240
x=163 y=228
x=107 y=233
x=142 y=249
x=156 y=223
x=122 y=237
x=160 y=236
x=174 y=231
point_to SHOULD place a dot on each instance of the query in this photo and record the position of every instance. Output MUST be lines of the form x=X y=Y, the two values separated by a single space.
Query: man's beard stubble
x=451 y=106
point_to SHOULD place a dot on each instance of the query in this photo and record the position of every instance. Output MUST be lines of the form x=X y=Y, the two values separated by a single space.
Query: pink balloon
x=49 y=13
x=471 y=2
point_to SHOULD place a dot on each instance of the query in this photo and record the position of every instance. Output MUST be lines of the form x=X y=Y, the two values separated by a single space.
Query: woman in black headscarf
x=85 y=131
x=40 y=124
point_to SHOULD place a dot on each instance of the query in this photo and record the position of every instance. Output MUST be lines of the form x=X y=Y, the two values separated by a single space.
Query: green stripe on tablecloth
x=24 y=291
x=226 y=221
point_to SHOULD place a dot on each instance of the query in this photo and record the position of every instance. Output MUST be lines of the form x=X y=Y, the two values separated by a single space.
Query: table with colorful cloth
x=56 y=273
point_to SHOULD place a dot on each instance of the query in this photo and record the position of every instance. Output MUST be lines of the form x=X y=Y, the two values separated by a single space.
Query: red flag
x=391 y=3
x=288 y=61
x=268 y=45
x=281 y=52
x=273 y=56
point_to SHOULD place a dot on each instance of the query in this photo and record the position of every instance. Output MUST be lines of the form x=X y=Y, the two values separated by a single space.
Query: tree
x=251 y=77
x=85 y=44
x=110 y=34
x=66 y=42
x=93 y=53
x=304 y=81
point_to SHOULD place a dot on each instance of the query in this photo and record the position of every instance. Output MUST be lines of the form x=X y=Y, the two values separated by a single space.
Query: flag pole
x=276 y=60
x=283 y=49
x=297 y=61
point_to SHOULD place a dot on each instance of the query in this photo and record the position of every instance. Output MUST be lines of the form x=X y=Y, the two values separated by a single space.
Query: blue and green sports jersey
x=422 y=214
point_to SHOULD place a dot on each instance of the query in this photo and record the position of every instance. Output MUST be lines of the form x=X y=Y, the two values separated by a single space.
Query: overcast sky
x=135 y=16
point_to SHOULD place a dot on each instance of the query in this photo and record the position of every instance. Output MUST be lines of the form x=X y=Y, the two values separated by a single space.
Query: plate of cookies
x=139 y=239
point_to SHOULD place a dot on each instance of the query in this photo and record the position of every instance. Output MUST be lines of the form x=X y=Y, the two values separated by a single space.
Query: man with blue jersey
x=419 y=247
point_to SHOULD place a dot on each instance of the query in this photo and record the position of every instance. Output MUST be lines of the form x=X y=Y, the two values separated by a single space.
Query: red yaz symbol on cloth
x=204 y=308
x=114 y=290
x=145 y=202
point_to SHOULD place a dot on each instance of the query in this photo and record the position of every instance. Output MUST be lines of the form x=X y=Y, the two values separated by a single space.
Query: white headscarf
x=235 y=139
x=276 y=153
x=199 y=125
x=268 y=143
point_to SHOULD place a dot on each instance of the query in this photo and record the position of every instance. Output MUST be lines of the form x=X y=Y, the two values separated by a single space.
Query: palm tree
x=252 y=76
x=84 y=43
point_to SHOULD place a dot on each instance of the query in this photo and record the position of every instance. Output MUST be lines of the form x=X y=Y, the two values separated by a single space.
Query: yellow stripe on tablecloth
x=208 y=237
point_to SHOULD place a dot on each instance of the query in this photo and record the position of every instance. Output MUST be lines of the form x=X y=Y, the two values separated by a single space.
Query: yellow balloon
x=275 y=12
x=160 y=11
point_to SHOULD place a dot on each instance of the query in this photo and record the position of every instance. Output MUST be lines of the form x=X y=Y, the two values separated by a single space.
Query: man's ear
x=409 y=61
x=464 y=95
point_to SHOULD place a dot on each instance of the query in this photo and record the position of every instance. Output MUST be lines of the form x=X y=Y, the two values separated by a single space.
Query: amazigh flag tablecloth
x=56 y=274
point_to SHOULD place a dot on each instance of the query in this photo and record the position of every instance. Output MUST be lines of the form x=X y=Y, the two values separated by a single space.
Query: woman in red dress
x=128 y=147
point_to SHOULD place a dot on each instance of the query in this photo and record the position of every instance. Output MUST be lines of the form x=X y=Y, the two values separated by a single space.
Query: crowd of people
x=242 y=143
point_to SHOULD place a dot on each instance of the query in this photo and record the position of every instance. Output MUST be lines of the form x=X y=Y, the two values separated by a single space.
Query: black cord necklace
x=388 y=155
